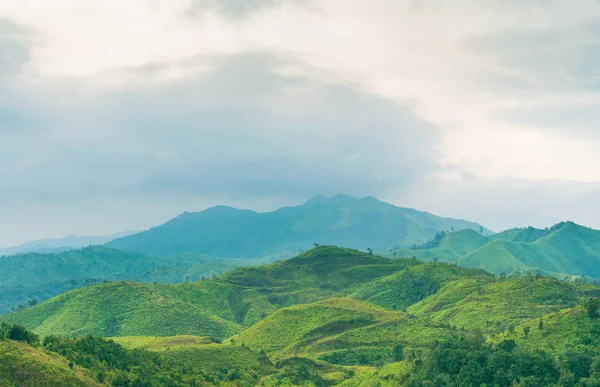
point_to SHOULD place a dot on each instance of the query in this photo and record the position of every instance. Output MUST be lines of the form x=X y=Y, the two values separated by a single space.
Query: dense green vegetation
x=327 y=317
x=27 y=279
x=565 y=249
x=340 y=220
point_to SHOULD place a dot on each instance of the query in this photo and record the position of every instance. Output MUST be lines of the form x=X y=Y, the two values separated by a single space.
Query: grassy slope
x=568 y=249
x=26 y=366
x=402 y=289
x=125 y=309
x=194 y=351
x=336 y=325
x=493 y=305
x=216 y=307
x=340 y=220
x=41 y=276
x=446 y=247
x=567 y=328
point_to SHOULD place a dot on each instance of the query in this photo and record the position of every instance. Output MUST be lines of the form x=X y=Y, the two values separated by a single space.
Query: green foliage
x=29 y=278
x=216 y=307
x=565 y=250
x=592 y=305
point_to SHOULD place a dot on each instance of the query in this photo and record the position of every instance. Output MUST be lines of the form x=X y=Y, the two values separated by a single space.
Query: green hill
x=402 y=289
x=31 y=278
x=445 y=246
x=340 y=220
x=493 y=305
x=568 y=249
x=214 y=307
x=340 y=331
x=25 y=366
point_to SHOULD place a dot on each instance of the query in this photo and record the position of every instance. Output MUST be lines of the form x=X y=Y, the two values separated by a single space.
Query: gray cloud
x=238 y=131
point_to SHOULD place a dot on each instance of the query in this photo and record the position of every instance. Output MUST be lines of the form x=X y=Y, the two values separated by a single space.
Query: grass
x=26 y=366
x=342 y=331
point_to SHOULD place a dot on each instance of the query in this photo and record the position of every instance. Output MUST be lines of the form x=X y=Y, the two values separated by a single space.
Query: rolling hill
x=327 y=317
x=214 y=307
x=33 y=277
x=232 y=302
x=341 y=331
x=340 y=220
x=565 y=249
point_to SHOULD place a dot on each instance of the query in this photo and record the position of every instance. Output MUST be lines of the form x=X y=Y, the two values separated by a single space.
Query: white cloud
x=497 y=78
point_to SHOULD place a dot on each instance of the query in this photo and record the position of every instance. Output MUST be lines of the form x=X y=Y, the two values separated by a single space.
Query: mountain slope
x=26 y=366
x=36 y=277
x=568 y=249
x=445 y=247
x=215 y=307
x=340 y=331
x=340 y=220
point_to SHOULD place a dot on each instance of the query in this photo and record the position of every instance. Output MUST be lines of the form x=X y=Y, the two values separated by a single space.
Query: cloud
x=502 y=203
x=237 y=8
x=241 y=129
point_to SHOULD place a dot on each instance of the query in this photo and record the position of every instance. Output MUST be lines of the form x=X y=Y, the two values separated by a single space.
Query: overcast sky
x=118 y=115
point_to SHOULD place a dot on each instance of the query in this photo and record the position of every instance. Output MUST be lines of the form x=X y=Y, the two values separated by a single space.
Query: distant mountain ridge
x=339 y=220
x=58 y=245
x=566 y=249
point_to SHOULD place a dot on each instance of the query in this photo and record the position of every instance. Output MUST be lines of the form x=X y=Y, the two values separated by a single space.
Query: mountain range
x=70 y=242
x=340 y=220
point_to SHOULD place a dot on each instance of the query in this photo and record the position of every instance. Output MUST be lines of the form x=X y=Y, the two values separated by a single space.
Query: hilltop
x=340 y=220
x=566 y=249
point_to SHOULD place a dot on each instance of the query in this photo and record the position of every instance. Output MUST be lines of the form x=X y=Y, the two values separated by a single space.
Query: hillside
x=214 y=307
x=340 y=220
x=341 y=331
x=566 y=249
x=226 y=305
x=445 y=246
x=25 y=366
x=32 y=278
x=327 y=317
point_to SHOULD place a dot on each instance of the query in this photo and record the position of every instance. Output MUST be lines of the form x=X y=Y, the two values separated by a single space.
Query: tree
x=592 y=305
x=398 y=352
x=316 y=244
x=541 y=325
x=526 y=330
x=370 y=251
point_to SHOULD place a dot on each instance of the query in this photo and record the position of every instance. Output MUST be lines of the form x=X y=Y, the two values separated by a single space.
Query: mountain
x=340 y=220
x=566 y=249
x=33 y=277
x=70 y=242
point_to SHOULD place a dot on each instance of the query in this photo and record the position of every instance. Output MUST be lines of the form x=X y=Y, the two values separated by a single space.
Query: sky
x=120 y=115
